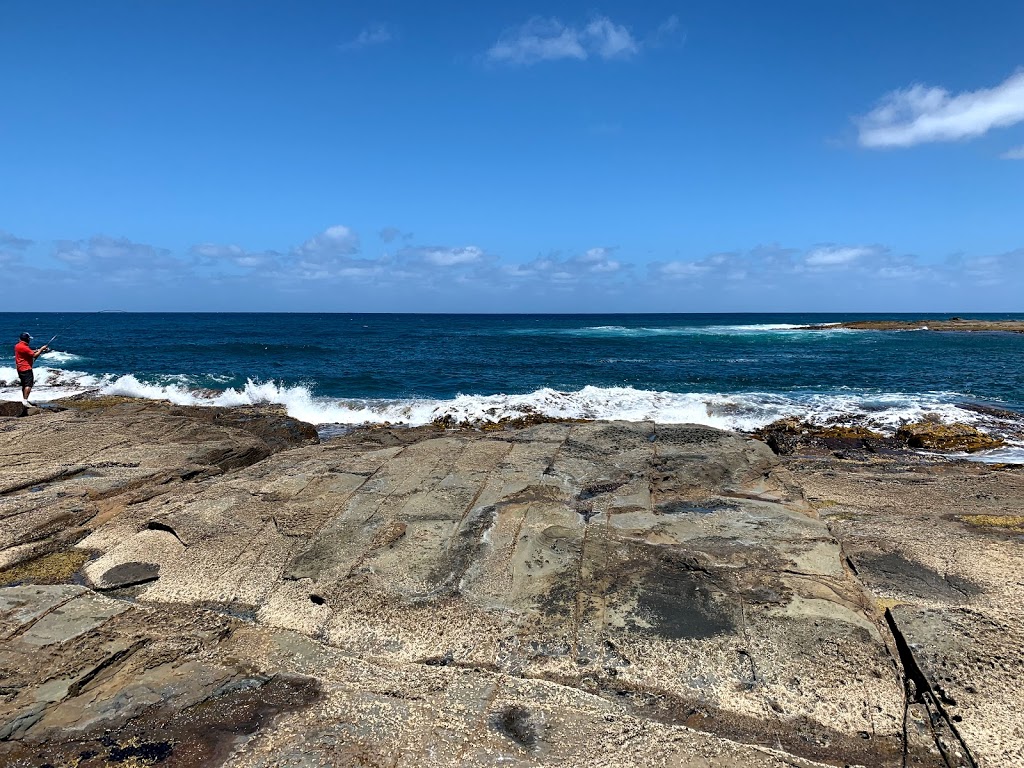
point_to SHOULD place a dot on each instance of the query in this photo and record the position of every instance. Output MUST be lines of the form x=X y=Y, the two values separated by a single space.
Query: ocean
x=736 y=371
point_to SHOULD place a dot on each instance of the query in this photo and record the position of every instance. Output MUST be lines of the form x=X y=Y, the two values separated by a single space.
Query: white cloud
x=333 y=241
x=676 y=270
x=771 y=263
x=12 y=247
x=450 y=257
x=720 y=265
x=390 y=234
x=594 y=264
x=120 y=260
x=827 y=276
x=599 y=260
x=324 y=255
x=538 y=40
x=541 y=39
x=833 y=255
x=215 y=251
x=669 y=33
x=374 y=34
x=609 y=40
x=11 y=242
x=214 y=255
x=990 y=271
x=1017 y=153
x=921 y=114
x=103 y=251
x=668 y=27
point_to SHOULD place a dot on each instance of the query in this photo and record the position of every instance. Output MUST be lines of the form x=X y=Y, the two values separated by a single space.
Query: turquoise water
x=731 y=370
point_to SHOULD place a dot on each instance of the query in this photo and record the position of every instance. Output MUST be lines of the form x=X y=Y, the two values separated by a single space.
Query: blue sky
x=402 y=156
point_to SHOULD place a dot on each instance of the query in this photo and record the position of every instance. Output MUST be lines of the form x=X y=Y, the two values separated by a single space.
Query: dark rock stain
x=681 y=604
x=690 y=508
x=463 y=551
x=129 y=575
x=197 y=736
x=910 y=577
x=597 y=489
x=514 y=721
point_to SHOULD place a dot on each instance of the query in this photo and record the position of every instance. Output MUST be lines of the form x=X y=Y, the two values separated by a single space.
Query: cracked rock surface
x=563 y=594
x=939 y=545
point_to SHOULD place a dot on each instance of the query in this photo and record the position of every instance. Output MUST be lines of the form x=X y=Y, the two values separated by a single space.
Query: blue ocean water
x=732 y=370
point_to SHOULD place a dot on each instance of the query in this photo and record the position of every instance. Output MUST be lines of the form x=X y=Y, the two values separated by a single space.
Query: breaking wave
x=741 y=411
x=51 y=383
x=56 y=357
x=744 y=411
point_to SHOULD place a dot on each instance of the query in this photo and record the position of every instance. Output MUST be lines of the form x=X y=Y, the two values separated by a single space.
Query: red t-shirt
x=23 y=356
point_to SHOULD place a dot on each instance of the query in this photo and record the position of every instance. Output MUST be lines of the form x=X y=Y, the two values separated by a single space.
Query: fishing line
x=78 y=320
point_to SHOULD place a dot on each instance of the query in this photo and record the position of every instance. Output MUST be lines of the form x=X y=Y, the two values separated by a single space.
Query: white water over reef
x=1010 y=454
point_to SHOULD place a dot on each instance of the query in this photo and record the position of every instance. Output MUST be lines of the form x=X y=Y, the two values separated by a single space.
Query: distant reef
x=953 y=324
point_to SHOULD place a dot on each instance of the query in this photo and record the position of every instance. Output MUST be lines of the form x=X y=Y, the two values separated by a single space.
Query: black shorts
x=27 y=378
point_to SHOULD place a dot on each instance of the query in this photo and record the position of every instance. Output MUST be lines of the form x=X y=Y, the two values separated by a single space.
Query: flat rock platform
x=192 y=587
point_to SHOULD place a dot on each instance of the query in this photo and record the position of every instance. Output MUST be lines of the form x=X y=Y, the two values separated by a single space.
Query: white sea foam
x=743 y=411
x=620 y=331
x=56 y=357
x=739 y=411
x=51 y=383
x=1013 y=454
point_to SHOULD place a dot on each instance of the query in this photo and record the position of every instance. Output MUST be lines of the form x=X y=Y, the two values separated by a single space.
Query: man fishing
x=24 y=357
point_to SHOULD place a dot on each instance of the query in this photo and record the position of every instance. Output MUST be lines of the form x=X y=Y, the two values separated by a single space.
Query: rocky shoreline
x=207 y=586
x=952 y=324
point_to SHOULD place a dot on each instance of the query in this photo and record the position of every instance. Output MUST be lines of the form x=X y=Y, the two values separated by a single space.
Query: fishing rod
x=79 y=319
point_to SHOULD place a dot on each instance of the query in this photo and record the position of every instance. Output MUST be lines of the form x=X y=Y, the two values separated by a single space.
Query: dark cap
x=26 y=337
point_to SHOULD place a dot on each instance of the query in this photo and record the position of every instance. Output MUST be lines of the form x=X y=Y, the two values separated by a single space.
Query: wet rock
x=988 y=410
x=270 y=424
x=893 y=573
x=94 y=681
x=14 y=408
x=128 y=575
x=946 y=437
x=789 y=436
x=51 y=568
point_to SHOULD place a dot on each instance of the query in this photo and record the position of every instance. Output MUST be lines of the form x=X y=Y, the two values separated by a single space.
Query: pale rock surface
x=564 y=594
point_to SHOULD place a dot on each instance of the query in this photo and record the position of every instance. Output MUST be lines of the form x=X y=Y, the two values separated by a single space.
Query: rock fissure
x=62 y=474
x=28 y=625
x=156 y=525
x=920 y=690
x=107 y=664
